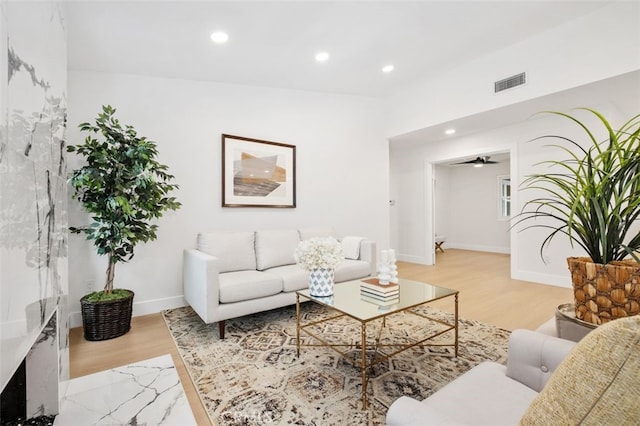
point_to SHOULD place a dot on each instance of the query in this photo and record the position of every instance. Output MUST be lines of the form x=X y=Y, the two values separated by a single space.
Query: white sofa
x=232 y=274
x=490 y=393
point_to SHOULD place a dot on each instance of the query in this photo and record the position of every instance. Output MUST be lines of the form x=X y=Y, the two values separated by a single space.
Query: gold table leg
x=298 y=324
x=456 y=325
x=364 y=365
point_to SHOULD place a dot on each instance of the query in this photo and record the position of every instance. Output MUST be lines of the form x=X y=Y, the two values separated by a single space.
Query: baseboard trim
x=412 y=259
x=547 y=279
x=139 y=308
x=475 y=247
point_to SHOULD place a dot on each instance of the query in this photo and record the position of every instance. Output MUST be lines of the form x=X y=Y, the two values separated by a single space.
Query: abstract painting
x=257 y=173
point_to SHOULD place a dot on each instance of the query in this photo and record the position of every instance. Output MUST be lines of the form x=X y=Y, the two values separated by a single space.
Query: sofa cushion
x=234 y=250
x=306 y=233
x=597 y=383
x=351 y=270
x=482 y=391
x=275 y=247
x=245 y=285
x=293 y=277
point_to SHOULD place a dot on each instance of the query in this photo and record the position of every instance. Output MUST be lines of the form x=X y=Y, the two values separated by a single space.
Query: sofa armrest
x=533 y=357
x=406 y=411
x=368 y=254
x=201 y=284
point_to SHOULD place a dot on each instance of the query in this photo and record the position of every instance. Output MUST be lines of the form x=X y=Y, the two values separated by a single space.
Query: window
x=504 y=197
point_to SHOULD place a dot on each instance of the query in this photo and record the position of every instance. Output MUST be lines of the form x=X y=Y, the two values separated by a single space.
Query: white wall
x=342 y=168
x=410 y=170
x=467 y=207
x=588 y=49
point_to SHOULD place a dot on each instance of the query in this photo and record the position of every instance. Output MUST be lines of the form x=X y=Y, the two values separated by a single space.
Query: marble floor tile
x=144 y=393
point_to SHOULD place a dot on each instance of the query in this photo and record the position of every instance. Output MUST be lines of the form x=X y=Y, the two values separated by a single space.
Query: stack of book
x=380 y=294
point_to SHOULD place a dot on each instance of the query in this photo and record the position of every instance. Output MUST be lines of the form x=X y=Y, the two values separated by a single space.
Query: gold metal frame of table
x=364 y=317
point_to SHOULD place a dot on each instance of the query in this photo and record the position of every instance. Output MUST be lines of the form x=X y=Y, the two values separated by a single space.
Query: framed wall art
x=257 y=173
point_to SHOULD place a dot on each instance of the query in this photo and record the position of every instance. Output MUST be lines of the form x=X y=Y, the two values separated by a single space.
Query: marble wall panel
x=33 y=198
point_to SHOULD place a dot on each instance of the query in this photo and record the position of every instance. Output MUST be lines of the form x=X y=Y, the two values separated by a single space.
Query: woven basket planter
x=605 y=292
x=106 y=319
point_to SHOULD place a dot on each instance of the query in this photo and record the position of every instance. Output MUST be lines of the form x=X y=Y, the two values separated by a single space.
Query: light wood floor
x=486 y=294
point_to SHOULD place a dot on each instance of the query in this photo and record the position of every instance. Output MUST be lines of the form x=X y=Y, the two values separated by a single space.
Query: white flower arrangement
x=316 y=253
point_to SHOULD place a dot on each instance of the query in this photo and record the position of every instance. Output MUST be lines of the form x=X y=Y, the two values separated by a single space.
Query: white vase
x=384 y=274
x=321 y=282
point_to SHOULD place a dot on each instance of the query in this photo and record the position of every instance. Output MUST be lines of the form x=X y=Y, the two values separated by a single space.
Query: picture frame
x=257 y=173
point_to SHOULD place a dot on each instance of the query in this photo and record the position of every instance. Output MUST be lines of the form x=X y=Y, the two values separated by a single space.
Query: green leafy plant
x=594 y=199
x=122 y=186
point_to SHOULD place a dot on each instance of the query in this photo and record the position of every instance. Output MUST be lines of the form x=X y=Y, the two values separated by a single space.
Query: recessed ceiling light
x=449 y=131
x=322 y=56
x=219 y=37
x=387 y=68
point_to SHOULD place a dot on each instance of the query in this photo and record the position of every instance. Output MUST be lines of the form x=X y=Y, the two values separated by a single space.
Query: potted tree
x=593 y=198
x=124 y=189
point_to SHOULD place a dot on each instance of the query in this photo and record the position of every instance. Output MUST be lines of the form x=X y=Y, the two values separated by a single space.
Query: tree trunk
x=108 y=287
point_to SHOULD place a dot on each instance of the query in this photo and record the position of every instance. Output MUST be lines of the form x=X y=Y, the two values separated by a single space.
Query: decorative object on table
x=371 y=290
x=257 y=173
x=393 y=268
x=374 y=288
x=319 y=256
x=123 y=188
x=593 y=197
x=387 y=269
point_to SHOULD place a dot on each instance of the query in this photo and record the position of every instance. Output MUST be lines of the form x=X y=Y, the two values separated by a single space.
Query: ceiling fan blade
x=479 y=160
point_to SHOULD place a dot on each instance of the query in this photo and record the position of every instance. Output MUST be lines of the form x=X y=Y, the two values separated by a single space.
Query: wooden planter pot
x=605 y=292
x=106 y=320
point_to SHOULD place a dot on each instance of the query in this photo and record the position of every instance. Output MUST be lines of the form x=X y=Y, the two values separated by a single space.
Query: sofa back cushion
x=306 y=233
x=235 y=250
x=597 y=383
x=275 y=247
x=533 y=357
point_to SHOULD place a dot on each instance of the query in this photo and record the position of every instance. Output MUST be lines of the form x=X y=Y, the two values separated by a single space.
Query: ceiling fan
x=479 y=161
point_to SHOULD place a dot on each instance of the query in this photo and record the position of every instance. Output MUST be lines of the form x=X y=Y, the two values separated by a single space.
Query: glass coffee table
x=347 y=301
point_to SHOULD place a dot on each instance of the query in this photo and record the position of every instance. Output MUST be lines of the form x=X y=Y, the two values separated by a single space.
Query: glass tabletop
x=347 y=298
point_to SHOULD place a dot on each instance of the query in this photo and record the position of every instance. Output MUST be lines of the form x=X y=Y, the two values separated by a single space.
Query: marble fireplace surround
x=42 y=375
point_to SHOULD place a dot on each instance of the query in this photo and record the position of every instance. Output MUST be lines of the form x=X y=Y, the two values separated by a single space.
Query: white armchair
x=490 y=393
x=547 y=381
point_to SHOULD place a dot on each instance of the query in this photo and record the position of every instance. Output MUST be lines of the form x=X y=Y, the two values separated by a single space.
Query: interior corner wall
x=590 y=48
x=342 y=168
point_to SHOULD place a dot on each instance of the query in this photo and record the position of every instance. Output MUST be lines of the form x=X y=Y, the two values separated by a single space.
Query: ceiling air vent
x=509 y=82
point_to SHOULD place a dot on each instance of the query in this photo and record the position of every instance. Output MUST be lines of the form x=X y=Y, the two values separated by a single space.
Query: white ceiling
x=274 y=43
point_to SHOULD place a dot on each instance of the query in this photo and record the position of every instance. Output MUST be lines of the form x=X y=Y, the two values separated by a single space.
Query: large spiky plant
x=594 y=197
x=122 y=186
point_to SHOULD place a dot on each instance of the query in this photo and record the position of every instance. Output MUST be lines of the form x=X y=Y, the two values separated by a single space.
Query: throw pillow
x=597 y=383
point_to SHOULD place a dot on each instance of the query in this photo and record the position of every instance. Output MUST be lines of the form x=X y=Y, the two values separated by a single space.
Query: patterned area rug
x=253 y=376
